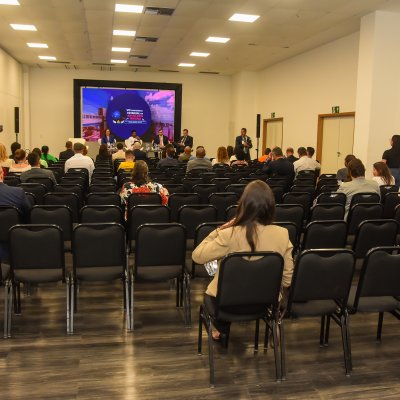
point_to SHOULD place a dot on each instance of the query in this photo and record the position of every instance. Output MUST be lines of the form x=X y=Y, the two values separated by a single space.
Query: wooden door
x=272 y=133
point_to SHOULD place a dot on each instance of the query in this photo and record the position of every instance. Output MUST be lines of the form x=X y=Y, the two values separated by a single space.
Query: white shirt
x=131 y=141
x=305 y=163
x=381 y=181
x=118 y=154
x=80 y=161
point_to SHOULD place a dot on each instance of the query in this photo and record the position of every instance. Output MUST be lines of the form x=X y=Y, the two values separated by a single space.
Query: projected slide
x=122 y=110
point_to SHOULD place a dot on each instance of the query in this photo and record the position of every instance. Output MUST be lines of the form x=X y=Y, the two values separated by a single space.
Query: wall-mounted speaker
x=16 y=119
x=258 y=125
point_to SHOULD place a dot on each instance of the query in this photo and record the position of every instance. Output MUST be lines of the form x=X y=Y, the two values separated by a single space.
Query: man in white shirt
x=119 y=153
x=304 y=162
x=134 y=138
x=79 y=160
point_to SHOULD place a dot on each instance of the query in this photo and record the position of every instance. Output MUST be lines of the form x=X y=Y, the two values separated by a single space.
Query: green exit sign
x=272 y=115
x=335 y=109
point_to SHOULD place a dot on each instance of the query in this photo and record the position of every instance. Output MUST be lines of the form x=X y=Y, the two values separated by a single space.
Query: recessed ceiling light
x=198 y=54
x=216 y=39
x=186 y=65
x=9 y=2
x=50 y=58
x=119 y=61
x=122 y=49
x=129 y=8
x=119 y=32
x=38 y=45
x=244 y=17
x=22 y=27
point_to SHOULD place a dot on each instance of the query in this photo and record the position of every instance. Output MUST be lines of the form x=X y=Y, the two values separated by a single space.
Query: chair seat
x=314 y=308
x=233 y=314
x=158 y=273
x=38 y=275
x=99 y=274
x=373 y=304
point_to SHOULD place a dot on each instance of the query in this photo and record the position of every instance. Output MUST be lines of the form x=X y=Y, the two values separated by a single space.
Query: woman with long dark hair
x=382 y=174
x=250 y=230
x=392 y=158
x=103 y=153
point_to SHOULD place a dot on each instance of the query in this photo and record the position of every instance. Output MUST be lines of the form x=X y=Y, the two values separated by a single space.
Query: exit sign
x=272 y=115
x=335 y=109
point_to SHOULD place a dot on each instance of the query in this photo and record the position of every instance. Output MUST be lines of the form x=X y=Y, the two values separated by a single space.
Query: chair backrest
x=135 y=199
x=189 y=182
x=331 y=197
x=327 y=211
x=326 y=181
x=329 y=176
x=174 y=188
x=290 y=213
x=248 y=284
x=221 y=183
x=38 y=189
x=31 y=198
x=64 y=198
x=101 y=187
x=237 y=188
x=9 y=216
x=74 y=179
x=44 y=180
x=325 y=235
x=392 y=199
x=159 y=245
x=59 y=215
x=222 y=201
x=322 y=275
x=302 y=198
x=293 y=232
x=191 y=216
x=374 y=233
x=37 y=247
x=230 y=212
x=208 y=176
x=177 y=200
x=12 y=180
x=71 y=188
x=100 y=214
x=362 y=198
x=146 y=213
x=380 y=274
x=102 y=180
x=103 y=198
x=361 y=212
x=385 y=189
x=204 y=190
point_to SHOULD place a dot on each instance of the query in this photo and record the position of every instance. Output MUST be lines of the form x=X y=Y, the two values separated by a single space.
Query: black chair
x=9 y=216
x=12 y=180
x=331 y=197
x=221 y=183
x=365 y=198
x=360 y=212
x=303 y=189
x=374 y=233
x=192 y=215
x=230 y=212
x=101 y=214
x=208 y=176
x=325 y=235
x=64 y=198
x=105 y=199
x=204 y=190
x=329 y=188
x=36 y=256
x=160 y=256
x=302 y=198
x=31 y=198
x=99 y=255
x=237 y=188
x=100 y=187
x=38 y=189
x=47 y=182
x=326 y=181
x=391 y=201
x=320 y=287
x=74 y=179
x=378 y=288
x=136 y=199
x=327 y=176
x=222 y=201
x=248 y=290
x=293 y=232
x=195 y=173
x=102 y=180
x=174 y=188
x=327 y=211
x=71 y=188
x=189 y=182
x=385 y=189
x=290 y=213
x=177 y=200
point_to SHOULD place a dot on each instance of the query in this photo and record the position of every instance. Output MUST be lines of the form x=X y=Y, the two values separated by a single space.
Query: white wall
x=300 y=88
x=205 y=104
x=10 y=97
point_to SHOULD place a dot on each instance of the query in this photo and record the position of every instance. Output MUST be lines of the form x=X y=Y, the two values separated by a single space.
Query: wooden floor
x=159 y=360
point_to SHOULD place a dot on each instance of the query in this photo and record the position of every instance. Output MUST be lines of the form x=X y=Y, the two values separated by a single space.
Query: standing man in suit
x=184 y=141
x=244 y=142
x=160 y=140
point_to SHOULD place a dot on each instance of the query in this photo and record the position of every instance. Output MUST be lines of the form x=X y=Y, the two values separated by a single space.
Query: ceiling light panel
x=9 y=2
x=244 y=17
x=119 y=32
x=129 y=8
x=199 y=54
x=216 y=39
x=189 y=65
x=119 y=61
x=22 y=27
x=121 y=49
x=38 y=45
x=49 y=58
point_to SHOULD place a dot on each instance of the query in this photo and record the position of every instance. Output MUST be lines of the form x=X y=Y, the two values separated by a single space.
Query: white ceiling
x=80 y=31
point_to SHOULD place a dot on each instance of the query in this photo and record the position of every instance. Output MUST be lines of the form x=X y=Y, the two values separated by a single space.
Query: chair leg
x=132 y=299
x=350 y=361
x=177 y=292
x=282 y=348
x=187 y=306
x=10 y=307
x=322 y=331
x=210 y=352
x=200 y=336
x=72 y=309
x=278 y=370
x=256 y=336
x=327 y=328
x=266 y=337
x=68 y=305
x=17 y=298
x=6 y=300
x=127 y=301
x=379 y=330
x=344 y=343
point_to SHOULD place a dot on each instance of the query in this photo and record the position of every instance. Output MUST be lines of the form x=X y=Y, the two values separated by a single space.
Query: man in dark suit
x=280 y=167
x=290 y=155
x=139 y=154
x=65 y=155
x=244 y=142
x=184 y=141
x=160 y=140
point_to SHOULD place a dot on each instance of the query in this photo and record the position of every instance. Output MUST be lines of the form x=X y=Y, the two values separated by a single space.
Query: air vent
x=209 y=72
x=158 y=11
x=138 y=56
x=59 y=62
x=146 y=39
x=168 y=70
x=137 y=65
x=103 y=64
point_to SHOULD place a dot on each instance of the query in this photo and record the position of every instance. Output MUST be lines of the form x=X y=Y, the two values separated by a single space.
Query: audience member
x=129 y=162
x=200 y=161
x=36 y=171
x=279 y=167
x=222 y=156
x=382 y=174
x=244 y=142
x=103 y=155
x=108 y=140
x=240 y=157
x=392 y=158
x=265 y=156
x=305 y=162
x=139 y=154
x=310 y=152
x=134 y=138
x=290 y=155
x=185 y=140
x=46 y=156
x=68 y=153
x=169 y=160
x=5 y=162
x=14 y=147
x=141 y=184
x=250 y=230
x=185 y=156
x=358 y=183
x=43 y=163
x=160 y=140
x=120 y=153
x=343 y=173
x=20 y=164
x=231 y=153
x=79 y=160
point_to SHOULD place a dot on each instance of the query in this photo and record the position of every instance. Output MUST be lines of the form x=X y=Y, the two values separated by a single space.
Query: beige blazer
x=222 y=242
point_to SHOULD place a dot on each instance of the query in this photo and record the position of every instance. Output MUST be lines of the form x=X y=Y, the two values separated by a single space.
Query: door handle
x=339 y=153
